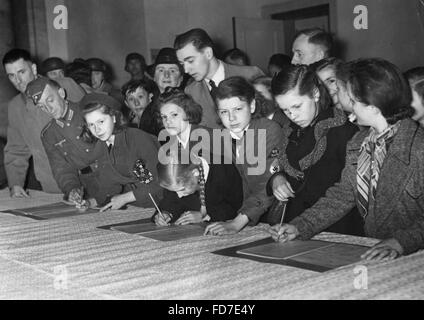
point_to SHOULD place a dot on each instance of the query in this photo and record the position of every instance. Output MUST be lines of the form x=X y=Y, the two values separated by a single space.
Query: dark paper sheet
x=148 y=229
x=50 y=211
x=283 y=250
x=320 y=256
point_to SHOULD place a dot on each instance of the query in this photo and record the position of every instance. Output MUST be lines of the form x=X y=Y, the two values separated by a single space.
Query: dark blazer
x=116 y=167
x=398 y=207
x=223 y=191
x=256 y=200
x=200 y=93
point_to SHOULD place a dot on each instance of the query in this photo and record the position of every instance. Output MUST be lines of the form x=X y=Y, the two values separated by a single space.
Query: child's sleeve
x=258 y=201
x=231 y=191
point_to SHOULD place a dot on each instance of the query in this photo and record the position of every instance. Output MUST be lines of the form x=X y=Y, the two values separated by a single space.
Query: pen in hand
x=157 y=208
x=284 y=204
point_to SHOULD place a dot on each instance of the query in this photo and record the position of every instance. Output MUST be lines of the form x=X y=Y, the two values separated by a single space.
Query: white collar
x=218 y=76
x=234 y=136
x=185 y=136
x=112 y=141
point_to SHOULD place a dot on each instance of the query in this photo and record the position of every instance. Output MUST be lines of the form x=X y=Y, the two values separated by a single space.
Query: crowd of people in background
x=339 y=145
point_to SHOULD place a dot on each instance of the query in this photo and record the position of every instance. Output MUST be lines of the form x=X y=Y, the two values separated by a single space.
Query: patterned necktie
x=371 y=157
x=213 y=88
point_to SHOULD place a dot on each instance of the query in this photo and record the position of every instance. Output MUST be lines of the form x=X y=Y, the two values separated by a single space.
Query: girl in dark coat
x=384 y=172
x=128 y=160
x=314 y=145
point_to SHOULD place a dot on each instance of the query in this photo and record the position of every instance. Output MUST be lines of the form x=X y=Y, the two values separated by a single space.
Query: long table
x=70 y=258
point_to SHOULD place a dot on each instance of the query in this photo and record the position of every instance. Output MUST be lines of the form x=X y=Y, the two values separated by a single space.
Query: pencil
x=156 y=206
x=284 y=204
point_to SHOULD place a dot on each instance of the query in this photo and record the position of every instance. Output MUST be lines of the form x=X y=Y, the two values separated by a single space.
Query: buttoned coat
x=398 y=210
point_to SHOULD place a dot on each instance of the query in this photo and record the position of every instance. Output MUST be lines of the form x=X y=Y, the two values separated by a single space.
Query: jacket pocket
x=414 y=188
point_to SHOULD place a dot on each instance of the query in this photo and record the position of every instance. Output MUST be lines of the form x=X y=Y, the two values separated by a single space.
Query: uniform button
x=65 y=153
x=78 y=137
x=68 y=124
x=87 y=150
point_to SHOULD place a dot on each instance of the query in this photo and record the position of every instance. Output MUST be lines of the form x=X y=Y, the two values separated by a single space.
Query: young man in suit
x=195 y=51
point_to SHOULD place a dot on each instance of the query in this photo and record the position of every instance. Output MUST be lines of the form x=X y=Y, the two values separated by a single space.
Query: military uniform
x=73 y=161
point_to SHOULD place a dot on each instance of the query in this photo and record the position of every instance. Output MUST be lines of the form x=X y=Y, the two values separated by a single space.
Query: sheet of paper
x=137 y=228
x=278 y=250
x=175 y=232
x=328 y=255
x=334 y=256
x=49 y=211
x=170 y=233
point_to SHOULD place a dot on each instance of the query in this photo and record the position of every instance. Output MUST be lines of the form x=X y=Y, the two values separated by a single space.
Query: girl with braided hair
x=197 y=192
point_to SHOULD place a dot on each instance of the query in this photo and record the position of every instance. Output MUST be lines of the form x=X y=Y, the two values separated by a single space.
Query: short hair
x=305 y=80
x=380 y=83
x=176 y=96
x=240 y=88
x=269 y=106
x=86 y=134
x=147 y=84
x=325 y=63
x=198 y=37
x=15 y=54
x=280 y=60
x=236 y=54
x=415 y=77
x=319 y=37
x=136 y=56
x=79 y=71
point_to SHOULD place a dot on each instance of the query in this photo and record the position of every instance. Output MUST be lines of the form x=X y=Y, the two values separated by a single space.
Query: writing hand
x=163 y=221
x=76 y=196
x=284 y=233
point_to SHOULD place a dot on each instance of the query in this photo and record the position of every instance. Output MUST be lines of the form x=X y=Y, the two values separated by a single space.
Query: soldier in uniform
x=72 y=160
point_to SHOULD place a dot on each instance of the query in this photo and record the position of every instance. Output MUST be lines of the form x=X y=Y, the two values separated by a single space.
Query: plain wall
x=167 y=18
x=395 y=32
x=107 y=29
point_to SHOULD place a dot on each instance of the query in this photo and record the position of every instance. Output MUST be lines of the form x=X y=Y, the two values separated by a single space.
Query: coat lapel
x=395 y=172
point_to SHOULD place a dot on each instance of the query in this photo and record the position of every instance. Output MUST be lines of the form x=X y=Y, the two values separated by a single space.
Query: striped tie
x=371 y=157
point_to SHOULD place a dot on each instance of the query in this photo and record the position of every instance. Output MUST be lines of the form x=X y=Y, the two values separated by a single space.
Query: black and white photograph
x=211 y=155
